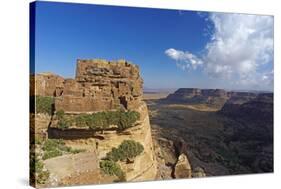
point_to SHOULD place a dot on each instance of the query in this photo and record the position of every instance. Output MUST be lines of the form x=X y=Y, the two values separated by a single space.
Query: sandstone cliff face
x=144 y=166
x=45 y=84
x=99 y=85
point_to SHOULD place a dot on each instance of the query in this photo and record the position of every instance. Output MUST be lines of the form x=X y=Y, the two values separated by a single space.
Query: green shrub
x=44 y=104
x=98 y=120
x=60 y=114
x=81 y=120
x=53 y=148
x=38 y=139
x=127 y=119
x=42 y=177
x=52 y=144
x=37 y=172
x=103 y=120
x=63 y=123
x=115 y=154
x=51 y=154
x=131 y=148
x=112 y=168
x=113 y=117
x=38 y=165
x=127 y=149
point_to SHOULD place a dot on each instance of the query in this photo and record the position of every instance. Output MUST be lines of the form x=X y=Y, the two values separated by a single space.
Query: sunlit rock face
x=101 y=85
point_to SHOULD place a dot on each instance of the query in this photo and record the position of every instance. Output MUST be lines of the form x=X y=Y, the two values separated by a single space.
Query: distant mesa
x=215 y=98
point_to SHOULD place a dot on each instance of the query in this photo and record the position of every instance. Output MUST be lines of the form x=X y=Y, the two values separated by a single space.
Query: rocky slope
x=250 y=126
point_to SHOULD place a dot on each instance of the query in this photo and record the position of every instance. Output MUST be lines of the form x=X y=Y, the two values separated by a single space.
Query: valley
x=225 y=134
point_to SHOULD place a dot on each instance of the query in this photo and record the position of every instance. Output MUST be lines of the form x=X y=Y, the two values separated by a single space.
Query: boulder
x=182 y=168
x=198 y=172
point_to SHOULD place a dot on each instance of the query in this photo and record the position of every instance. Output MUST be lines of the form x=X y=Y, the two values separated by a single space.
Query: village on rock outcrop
x=88 y=118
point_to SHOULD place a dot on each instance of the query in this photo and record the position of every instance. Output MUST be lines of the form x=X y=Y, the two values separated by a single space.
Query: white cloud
x=184 y=60
x=240 y=49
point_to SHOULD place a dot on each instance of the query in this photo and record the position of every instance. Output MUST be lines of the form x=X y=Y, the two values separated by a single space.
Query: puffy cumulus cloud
x=184 y=60
x=239 y=45
x=240 y=49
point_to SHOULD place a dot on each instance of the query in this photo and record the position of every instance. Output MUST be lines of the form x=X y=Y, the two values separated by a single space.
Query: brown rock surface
x=198 y=172
x=182 y=167
x=101 y=85
x=46 y=84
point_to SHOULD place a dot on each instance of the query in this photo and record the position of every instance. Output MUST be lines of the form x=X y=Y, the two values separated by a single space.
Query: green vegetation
x=60 y=114
x=103 y=120
x=100 y=120
x=127 y=149
x=127 y=119
x=112 y=168
x=37 y=172
x=63 y=123
x=44 y=104
x=53 y=148
x=41 y=175
x=38 y=139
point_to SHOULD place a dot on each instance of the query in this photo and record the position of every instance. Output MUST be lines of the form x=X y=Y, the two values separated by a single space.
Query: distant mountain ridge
x=212 y=97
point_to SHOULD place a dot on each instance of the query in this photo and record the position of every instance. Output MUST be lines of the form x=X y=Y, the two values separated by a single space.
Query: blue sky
x=170 y=46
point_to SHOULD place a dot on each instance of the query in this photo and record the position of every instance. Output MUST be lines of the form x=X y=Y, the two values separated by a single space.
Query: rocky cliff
x=45 y=84
x=99 y=86
x=235 y=137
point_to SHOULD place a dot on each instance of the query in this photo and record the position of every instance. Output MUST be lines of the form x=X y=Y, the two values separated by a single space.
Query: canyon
x=221 y=132
x=187 y=133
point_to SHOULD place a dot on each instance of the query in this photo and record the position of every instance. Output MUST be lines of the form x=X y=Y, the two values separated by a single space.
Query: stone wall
x=45 y=84
x=101 y=85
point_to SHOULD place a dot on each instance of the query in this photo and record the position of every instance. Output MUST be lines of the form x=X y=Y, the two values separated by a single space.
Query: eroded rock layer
x=45 y=84
x=101 y=85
